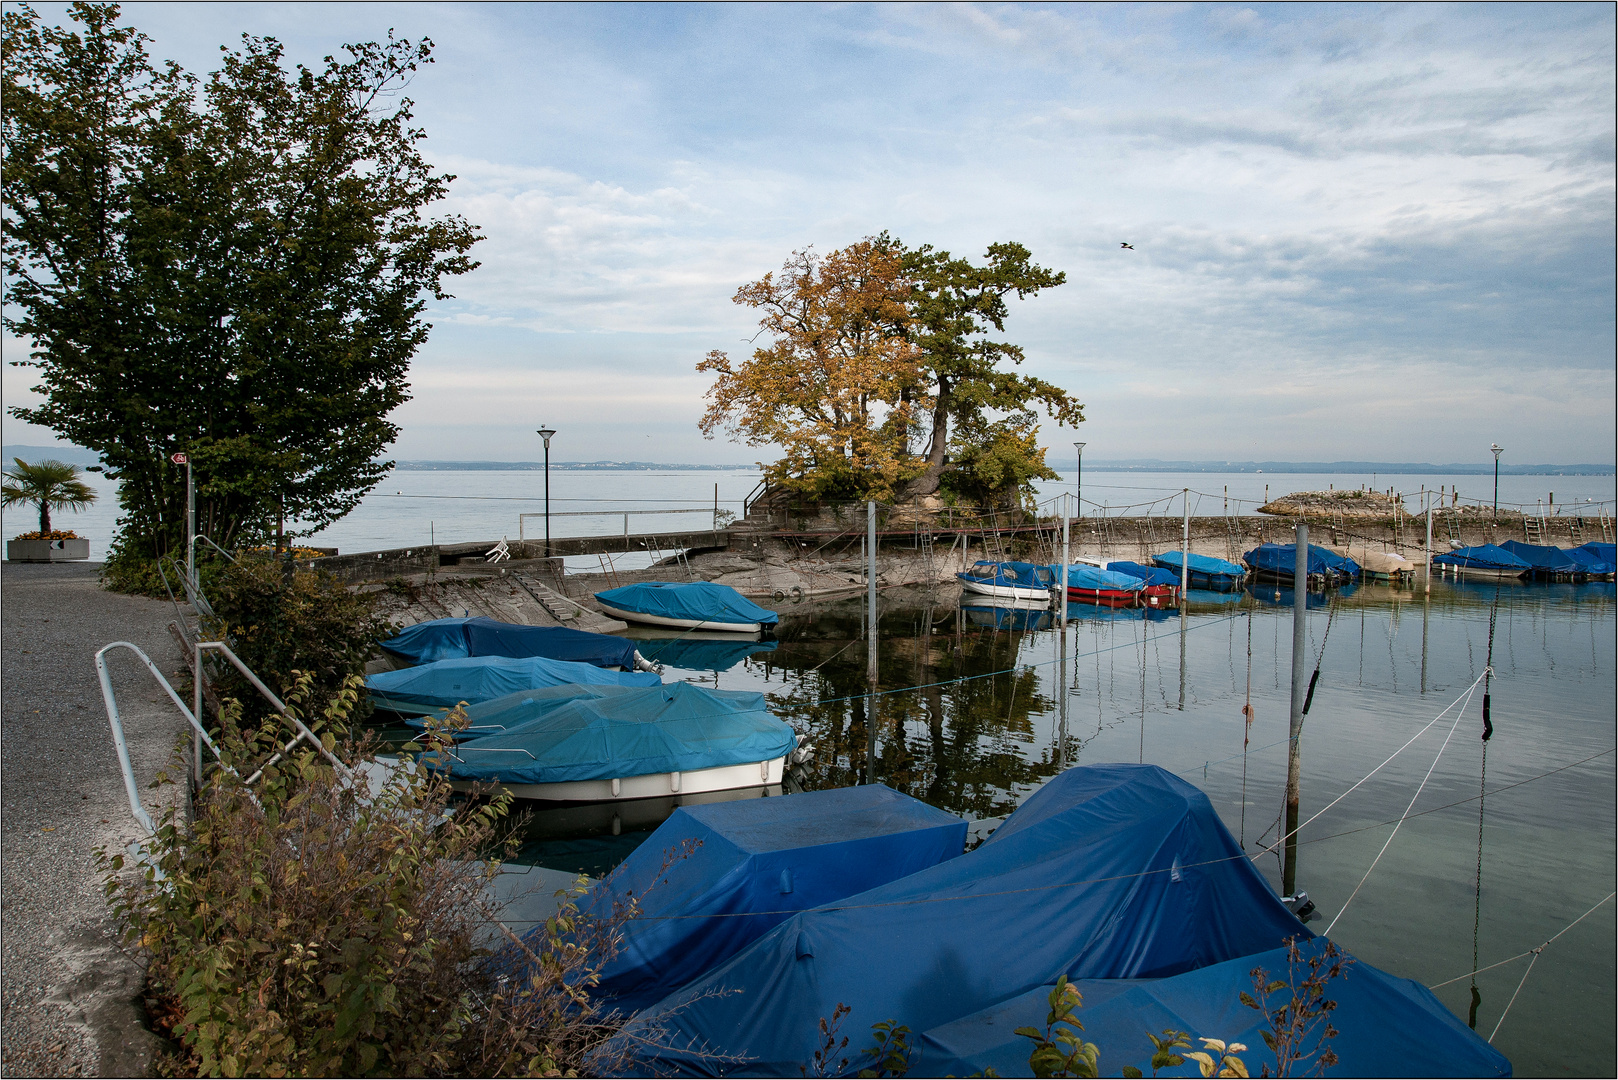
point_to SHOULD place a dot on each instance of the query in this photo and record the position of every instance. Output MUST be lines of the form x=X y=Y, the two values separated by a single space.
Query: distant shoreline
x=77 y=455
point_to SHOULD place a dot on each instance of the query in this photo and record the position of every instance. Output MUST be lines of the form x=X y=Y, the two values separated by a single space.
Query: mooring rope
x=1421 y=787
x=1526 y=952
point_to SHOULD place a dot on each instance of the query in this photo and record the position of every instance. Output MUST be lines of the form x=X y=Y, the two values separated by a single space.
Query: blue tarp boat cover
x=1085 y=576
x=702 y=600
x=679 y=727
x=1108 y=871
x=756 y=861
x=1387 y=1026
x=1204 y=566
x=1544 y=558
x=1482 y=557
x=443 y=683
x=1019 y=575
x=705 y=654
x=509 y=710
x=1152 y=575
x=1596 y=557
x=449 y=639
x=1281 y=559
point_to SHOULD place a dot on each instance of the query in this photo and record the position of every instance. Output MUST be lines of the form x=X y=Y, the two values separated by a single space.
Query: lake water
x=982 y=728
x=418 y=507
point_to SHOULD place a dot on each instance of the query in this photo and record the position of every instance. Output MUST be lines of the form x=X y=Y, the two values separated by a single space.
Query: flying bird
x=1131 y=247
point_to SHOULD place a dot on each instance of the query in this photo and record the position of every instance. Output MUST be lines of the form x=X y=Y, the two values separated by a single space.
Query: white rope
x=1515 y=992
x=1527 y=952
x=1466 y=697
x=1458 y=718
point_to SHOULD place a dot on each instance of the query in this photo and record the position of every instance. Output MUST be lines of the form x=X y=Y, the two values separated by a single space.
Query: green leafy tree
x=49 y=485
x=233 y=267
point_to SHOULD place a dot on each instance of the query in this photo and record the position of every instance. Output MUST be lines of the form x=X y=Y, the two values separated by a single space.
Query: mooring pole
x=1185 y=549
x=1427 y=499
x=870 y=640
x=1300 y=664
x=1061 y=584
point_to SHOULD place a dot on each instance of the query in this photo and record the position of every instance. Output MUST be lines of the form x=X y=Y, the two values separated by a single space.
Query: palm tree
x=46 y=484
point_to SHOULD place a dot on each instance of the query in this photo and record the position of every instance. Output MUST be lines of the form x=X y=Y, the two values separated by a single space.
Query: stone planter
x=47 y=550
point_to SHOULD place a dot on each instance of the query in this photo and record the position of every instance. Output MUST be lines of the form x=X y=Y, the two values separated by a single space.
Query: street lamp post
x=1498 y=450
x=546 y=433
x=1079 y=494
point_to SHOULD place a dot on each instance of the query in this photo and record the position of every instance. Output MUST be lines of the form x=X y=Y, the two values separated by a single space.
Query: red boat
x=1160 y=596
x=1116 y=598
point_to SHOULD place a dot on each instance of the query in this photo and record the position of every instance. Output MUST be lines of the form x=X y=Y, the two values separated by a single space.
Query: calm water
x=984 y=729
x=411 y=508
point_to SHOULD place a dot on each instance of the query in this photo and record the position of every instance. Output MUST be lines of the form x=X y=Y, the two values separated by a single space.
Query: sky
x=1359 y=232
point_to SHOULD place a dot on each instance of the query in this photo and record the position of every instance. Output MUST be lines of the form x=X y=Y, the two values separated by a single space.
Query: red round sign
x=179 y=459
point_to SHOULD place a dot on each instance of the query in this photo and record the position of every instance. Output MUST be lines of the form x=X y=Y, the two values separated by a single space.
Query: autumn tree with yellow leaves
x=880 y=379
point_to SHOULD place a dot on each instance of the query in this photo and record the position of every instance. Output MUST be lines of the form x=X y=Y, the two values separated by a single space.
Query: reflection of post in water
x=1182 y=657
x=870 y=642
x=1061 y=644
x=1300 y=599
x=1426 y=603
x=1483 y=779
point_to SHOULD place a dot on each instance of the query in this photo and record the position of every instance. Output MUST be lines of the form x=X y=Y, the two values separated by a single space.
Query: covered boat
x=509 y=710
x=1089 y=584
x=1277 y=562
x=1546 y=562
x=689 y=605
x=1108 y=871
x=1483 y=561
x=1376 y=563
x=1599 y=560
x=1008 y=580
x=1206 y=572
x=662 y=740
x=1387 y=1026
x=713 y=879
x=453 y=639
x=443 y=684
x=1162 y=588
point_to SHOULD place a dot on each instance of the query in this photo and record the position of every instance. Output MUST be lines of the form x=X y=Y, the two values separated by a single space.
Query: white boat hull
x=1479 y=573
x=680 y=624
x=1006 y=592
x=651 y=786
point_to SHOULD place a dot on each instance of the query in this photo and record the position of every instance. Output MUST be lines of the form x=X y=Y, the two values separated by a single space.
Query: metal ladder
x=1452 y=527
x=1533 y=530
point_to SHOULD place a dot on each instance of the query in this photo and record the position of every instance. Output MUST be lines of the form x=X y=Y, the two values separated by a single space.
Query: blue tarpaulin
x=1279 y=560
x=1019 y=575
x=755 y=862
x=1085 y=576
x=1152 y=575
x=1482 y=557
x=679 y=727
x=443 y=683
x=1387 y=1026
x=1596 y=557
x=450 y=639
x=704 y=654
x=1108 y=871
x=699 y=601
x=1544 y=558
x=1206 y=572
x=509 y=710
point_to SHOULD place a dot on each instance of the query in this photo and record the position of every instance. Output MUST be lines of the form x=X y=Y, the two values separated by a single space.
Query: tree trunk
x=928 y=481
x=44 y=516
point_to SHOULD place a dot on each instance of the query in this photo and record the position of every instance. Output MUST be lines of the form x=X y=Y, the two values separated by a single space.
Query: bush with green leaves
x=316 y=925
x=277 y=622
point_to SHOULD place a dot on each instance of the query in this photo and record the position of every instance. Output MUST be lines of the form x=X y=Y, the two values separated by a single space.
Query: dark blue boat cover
x=443 y=683
x=704 y=654
x=1596 y=557
x=1482 y=557
x=449 y=639
x=704 y=600
x=679 y=727
x=1544 y=558
x=1108 y=871
x=1019 y=575
x=1152 y=575
x=1085 y=576
x=1205 y=565
x=757 y=861
x=1387 y=1026
x=1282 y=558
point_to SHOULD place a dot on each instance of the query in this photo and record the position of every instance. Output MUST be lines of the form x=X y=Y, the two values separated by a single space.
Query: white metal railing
x=522 y=519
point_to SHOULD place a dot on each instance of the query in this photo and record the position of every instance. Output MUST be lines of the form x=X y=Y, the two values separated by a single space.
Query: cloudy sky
x=1366 y=232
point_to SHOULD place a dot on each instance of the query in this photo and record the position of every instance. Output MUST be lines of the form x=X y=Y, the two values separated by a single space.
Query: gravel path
x=67 y=991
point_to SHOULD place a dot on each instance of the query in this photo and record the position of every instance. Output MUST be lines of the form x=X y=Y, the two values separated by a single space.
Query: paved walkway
x=67 y=991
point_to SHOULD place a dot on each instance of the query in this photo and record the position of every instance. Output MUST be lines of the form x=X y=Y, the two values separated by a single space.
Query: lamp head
x=1498 y=450
x=1079 y=447
x=546 y=433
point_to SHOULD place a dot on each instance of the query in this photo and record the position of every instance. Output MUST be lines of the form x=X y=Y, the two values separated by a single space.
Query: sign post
x=190 y=519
